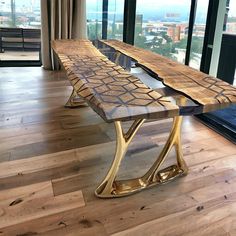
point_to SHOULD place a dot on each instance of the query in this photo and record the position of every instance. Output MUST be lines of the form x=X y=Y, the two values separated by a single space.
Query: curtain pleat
x=64 y=20
x=70 y=17
x=45 y=35
x=79 y=28
x=61 y=19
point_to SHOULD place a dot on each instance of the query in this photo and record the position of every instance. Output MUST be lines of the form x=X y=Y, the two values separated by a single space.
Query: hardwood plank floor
x=53 y=158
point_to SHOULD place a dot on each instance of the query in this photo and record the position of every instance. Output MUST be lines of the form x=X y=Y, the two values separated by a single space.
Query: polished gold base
x=121 y=188
x=74 y=101
x=117 y=58
x=110 y=187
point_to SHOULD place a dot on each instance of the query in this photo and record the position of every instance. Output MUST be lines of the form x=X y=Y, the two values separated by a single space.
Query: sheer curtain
x=61 y=19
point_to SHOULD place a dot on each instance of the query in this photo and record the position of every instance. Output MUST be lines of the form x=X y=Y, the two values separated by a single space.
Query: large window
x=20 y=27
x=94 y=19
x=198 y=34
x=230 y=23
x=20 y=13
x=162 y=27
x=115 y=19
x=231 y=20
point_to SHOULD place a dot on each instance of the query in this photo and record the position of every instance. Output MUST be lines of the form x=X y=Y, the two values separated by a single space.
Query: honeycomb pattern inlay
x=111 y=91
x=208 y=91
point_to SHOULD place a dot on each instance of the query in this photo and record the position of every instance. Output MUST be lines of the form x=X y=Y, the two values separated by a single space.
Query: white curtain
x=61 y=19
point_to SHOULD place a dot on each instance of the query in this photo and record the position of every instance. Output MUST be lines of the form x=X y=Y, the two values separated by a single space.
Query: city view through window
x=20 y=30
x=115 y=19
x=231 y=19
x=198 y=34
x=94 y=19
x=20 y=13
x=162 y=27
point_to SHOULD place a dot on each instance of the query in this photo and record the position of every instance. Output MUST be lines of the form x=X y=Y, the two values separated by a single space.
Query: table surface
x=115 y=94
x=206 y=90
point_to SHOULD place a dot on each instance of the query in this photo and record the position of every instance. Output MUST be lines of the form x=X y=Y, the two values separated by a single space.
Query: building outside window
x=94 y=19
x=20 y=13
x=162 y=27
x=198 y=34
x=231 y=18
x=20 y=26
x=115 y=19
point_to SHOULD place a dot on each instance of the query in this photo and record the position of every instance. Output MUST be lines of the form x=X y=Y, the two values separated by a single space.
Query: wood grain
x=72 y=47
x=111 y=91
x=23 y=210
x=206 y=90
x=52 y=173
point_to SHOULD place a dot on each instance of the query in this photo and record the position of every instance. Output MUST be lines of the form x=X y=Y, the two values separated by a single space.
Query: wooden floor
x=19 y=56
x=52 y=159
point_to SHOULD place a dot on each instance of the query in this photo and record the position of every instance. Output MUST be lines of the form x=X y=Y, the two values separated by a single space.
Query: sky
x=232 y=8
x=153 y=5
x=146 y=7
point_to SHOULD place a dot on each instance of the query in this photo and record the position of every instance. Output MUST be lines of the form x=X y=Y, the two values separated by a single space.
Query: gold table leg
x=74 y=101
x=110 y=187
x=117 y=57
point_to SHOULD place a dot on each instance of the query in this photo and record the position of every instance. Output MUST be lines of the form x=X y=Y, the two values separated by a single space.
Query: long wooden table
x=209 y=91
x=118 y=96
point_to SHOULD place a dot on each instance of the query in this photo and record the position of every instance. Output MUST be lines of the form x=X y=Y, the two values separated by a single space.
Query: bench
x=18 y=39
x=118 y=96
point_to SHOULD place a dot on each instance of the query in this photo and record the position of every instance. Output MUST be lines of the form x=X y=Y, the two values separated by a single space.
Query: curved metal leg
x=154 y=174
x=117 y=57
x=74 y=101
x=110 y=187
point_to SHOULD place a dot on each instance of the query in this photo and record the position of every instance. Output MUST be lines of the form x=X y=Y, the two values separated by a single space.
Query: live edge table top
x=115 y=94
x=206 y=90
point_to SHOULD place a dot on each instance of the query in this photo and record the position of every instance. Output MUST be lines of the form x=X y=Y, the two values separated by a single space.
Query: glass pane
x=231 y=21
x=162 y=27
x=94 y=19
x=198 y=34
x=20 y=14
x=115 y=19
x=20 y=25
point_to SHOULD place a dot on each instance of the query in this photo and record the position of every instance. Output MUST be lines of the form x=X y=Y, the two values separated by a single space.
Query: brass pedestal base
x=74 y=101
x=122 y=188
x=110 y=187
